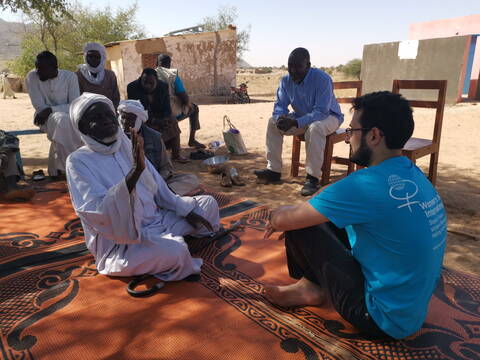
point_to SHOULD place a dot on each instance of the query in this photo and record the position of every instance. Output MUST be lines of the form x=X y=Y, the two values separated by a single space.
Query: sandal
x=195 y=144
x=201 y=154
x=236 y=179
x=38 y=175
x=226 y=179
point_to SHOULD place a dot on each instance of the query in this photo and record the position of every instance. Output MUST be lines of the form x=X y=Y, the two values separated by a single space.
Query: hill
x=11 y=34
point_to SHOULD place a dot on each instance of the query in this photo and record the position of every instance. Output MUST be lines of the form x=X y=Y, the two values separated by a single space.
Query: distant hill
x=242 y=64
x=11 y=34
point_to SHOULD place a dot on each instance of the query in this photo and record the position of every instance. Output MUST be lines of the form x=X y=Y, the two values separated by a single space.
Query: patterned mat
x=54 y=305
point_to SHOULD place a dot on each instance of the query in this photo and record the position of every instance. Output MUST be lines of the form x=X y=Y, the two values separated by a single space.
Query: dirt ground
x=458 y=173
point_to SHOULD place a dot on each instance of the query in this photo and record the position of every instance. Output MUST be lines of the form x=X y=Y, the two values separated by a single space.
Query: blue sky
x=333 y=31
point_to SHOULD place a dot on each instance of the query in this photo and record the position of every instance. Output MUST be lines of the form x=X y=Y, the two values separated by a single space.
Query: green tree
x=26 y=6
x=227 y=15
x=353 y=68
x=65 y=35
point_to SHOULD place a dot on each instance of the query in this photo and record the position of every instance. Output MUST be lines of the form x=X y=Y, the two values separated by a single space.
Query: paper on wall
x=408 y=49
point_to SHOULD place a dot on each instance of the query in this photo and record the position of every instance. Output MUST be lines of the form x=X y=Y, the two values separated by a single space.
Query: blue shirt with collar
x=312 y=99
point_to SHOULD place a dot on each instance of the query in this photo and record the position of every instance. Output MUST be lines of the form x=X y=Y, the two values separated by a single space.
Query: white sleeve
x=109 y=211
x=73 y=91
x=36 y=96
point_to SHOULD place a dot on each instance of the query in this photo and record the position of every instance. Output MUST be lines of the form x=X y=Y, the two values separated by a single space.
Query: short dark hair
x=46 y=56
x=163 y=58
x=149 y=71
x=301 y=53
x=389 y=112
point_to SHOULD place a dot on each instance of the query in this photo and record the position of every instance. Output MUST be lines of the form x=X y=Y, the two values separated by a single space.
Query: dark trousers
x=322 y=255
x=193 y=116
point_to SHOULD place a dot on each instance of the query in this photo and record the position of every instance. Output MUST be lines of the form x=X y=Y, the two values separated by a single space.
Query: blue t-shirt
x=397 y=227
x=178 y=85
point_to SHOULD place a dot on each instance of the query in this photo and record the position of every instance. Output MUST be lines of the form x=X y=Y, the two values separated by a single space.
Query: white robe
x=130 y=234
x=56 y=93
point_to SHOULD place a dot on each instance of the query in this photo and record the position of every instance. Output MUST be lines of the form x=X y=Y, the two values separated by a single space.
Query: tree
x=227 y=15
x=55 y=6
x=65 y=35
x=353 y=68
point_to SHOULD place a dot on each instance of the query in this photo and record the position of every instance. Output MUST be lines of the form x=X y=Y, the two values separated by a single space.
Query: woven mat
x=54 y=304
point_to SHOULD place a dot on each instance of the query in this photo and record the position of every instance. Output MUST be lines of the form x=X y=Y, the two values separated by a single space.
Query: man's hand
x=138 y=160
x=285 y=123
x=138 y=151
x=196 y=220
x=42 y=117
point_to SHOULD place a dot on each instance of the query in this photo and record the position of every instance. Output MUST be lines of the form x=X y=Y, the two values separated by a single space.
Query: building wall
x=437 y=59
x=206 y=62
x=465 y=25
x=132 y=64
x=115 y=63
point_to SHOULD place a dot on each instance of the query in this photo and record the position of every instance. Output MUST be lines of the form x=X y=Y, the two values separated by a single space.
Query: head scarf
x=78 y=108
x=133 y=107
x=87 y=70
x=122 y=146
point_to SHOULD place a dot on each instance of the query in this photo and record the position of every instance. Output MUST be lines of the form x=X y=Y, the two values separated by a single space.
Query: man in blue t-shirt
x=180 y=102
x=374 y=241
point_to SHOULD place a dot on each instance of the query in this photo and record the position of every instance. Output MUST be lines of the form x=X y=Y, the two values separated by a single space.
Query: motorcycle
x=240 y=95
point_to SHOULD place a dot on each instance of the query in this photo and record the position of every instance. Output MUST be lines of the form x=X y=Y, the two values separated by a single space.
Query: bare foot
x=302 y=293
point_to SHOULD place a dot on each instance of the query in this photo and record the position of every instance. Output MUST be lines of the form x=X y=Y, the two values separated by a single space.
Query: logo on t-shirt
x=402 y=190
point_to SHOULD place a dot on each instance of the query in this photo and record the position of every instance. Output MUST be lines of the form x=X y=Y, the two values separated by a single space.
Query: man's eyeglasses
x=350 y=130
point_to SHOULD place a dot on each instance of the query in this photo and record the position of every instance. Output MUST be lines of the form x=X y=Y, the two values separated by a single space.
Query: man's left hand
x=285 y=123
x=196 y=220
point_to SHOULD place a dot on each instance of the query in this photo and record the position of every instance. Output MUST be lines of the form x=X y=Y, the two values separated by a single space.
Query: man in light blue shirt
x=374 y=241
x=316 y=114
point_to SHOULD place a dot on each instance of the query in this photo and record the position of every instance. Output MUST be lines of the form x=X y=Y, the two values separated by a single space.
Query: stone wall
x=206 y=62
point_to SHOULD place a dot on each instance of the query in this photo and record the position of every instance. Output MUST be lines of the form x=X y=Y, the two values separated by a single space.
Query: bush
x=353 y=68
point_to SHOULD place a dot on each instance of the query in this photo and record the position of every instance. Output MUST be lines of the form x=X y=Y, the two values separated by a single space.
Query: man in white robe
x=133 y=223
x=5 y=85
x=51 y=92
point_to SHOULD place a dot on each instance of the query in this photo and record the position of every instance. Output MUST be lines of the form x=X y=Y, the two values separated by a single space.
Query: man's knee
x=195 y=109
x=318 y=128
x=272 y=126
x=60 y=118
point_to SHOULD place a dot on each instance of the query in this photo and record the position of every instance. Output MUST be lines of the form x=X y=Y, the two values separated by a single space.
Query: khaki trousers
x=315 y=139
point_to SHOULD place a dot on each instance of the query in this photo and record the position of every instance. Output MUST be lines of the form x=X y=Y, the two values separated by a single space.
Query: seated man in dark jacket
x=133 y=115
x=153 y=94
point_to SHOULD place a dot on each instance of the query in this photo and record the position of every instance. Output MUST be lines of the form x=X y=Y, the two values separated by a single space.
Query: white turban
x=87 y=70
x=78 y=108
x=134 y=107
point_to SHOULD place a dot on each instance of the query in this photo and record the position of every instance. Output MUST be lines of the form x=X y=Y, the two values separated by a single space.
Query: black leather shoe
x=311 y=186
x=268 y=176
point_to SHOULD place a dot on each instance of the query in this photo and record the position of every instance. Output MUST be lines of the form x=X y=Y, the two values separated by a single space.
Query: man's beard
x=363 y=155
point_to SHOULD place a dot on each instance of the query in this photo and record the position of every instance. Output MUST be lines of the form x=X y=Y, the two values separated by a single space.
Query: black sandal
x=135 y=282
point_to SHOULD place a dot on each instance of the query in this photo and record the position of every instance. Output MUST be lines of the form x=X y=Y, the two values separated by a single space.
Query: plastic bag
x=233 y=138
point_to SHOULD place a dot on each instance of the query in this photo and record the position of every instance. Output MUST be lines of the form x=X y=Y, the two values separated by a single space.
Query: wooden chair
x=415 y=147
x=332 y=139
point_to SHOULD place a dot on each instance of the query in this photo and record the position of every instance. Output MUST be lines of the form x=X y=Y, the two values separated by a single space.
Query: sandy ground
x=458 y=175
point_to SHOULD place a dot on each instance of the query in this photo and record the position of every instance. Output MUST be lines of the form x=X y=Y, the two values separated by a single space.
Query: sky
x=334 y=32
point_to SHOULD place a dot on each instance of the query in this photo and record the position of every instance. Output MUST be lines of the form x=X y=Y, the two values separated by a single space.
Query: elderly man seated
x=133 y=223
x=132 y=114
x=51 y=92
